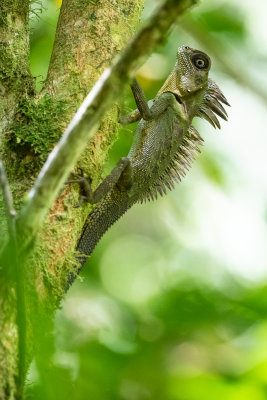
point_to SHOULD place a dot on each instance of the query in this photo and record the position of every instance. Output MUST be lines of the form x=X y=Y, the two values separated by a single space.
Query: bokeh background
x=173 y=303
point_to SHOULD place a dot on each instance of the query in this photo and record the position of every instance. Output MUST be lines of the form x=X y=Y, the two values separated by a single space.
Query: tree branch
x=15 y=77
x=18 y=276
x=85 y=43
x=8 y=200
x=85 y=122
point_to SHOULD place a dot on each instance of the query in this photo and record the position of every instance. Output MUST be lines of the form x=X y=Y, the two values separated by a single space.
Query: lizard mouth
x=178 y=99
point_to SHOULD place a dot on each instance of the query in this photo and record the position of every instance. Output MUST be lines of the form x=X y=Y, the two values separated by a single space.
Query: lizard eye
x=200 y=61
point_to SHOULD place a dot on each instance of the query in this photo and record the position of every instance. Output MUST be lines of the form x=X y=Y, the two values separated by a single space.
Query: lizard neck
x=191 y=98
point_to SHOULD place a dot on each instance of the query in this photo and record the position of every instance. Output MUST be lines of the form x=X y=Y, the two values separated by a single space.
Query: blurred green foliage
x=43 y=18
x=156 y=315
x=223 y=18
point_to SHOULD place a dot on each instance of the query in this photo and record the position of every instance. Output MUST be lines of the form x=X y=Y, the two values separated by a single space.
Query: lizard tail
x=100 y=219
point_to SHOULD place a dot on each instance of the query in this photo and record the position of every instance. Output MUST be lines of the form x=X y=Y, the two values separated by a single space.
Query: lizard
x=164 y=145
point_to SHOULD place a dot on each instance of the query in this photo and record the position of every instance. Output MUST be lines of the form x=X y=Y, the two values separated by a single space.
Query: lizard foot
x=85 y=186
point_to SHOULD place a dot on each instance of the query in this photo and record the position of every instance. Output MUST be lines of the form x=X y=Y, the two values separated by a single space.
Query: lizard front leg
x=120 y=176
x=143 y=111
x=147 y=113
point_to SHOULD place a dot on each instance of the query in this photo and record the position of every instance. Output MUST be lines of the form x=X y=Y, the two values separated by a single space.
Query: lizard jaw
x=178 y=99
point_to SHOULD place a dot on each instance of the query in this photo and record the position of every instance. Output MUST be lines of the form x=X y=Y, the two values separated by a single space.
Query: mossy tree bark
x=89 y=34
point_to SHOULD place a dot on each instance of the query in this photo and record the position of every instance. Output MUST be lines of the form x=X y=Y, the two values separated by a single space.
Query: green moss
x=11 y=10
x=36 y=128
x=14 y=45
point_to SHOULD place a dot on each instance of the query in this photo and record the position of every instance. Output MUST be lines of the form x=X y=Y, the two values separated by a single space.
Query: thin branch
x=17 y=267
x=86 y=121
x=8 y=200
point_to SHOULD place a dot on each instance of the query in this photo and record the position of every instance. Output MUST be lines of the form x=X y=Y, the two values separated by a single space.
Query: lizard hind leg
x=114 y=178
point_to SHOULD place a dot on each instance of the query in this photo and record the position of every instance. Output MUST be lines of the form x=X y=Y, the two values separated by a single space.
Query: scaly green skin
x=163 y=146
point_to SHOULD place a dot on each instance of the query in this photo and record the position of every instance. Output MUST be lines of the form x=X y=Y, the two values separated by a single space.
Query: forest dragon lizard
x=164 y=145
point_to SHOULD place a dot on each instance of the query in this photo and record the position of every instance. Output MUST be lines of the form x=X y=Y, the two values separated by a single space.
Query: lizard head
x=190 y=73
x=189 y=82
x=192 y=69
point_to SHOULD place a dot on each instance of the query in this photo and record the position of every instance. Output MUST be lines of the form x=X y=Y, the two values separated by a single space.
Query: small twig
x=86 y=121
x=17 y=267
x=8 y=200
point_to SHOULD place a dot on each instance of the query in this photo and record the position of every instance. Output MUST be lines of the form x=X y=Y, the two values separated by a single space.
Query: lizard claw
x=78 y=178
x=81 y=171
x=84 y=184
x=81 y=200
